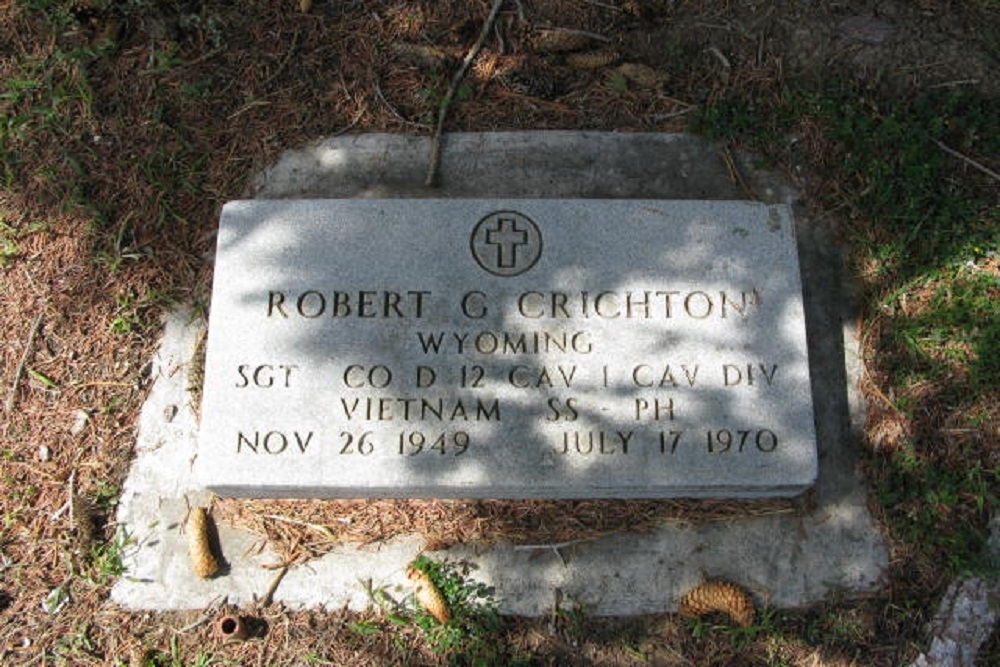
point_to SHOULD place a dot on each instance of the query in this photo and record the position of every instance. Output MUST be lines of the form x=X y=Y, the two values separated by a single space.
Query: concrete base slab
x=785 y=560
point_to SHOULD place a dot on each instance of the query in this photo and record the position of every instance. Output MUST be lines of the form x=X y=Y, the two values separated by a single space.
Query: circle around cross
x=506 y=243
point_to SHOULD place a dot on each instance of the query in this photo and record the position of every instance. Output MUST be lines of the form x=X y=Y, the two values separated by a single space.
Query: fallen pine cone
x=560 y=42
x=718 y=596
x=428 y=595
x=643 y=75
x=592 y=59
x=84 y=516
x=203 y=561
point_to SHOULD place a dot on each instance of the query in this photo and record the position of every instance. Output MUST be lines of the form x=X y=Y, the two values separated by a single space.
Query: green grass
x=925 y=227
x=956 y=330
x=50 y=126
x=939 y=510
x=107 y=559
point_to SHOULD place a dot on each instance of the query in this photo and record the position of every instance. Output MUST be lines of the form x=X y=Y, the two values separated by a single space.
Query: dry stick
x=72 y=493
x=603 y=5
x=432 y=170
x=190 y=63
x=674 y=114
x=574 y=31
x=392 y=109
x=210 y=611
x=12 y=396
x=350 y=126
x=968 y=160
x=956 y=82
x=554 y=548
x=735 y=173
x=553 y=545
x=520 y=10
x=319 y=528
x=269 y=593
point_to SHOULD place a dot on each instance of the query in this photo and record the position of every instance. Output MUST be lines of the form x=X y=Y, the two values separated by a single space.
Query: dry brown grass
x=303 y=529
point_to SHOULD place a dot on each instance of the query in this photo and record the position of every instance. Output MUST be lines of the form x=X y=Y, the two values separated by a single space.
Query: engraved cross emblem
x=506 y=243
x=507 y=238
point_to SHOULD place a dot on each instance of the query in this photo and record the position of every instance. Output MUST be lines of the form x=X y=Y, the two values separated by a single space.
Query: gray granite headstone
x=511 y=348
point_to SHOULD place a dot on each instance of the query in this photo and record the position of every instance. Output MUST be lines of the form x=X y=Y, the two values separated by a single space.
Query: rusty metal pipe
x=232 y=628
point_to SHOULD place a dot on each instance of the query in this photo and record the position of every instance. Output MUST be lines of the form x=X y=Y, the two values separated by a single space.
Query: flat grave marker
x=480 y=348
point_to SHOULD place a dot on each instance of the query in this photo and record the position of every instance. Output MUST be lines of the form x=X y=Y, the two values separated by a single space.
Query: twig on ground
x=554 y=547
x=191 y=626
x=717 y=52
x=350 y=126
x=432 y=170
x=602 y=5
x=174 y=66
x=968 y=160
x=554 y=616
x=19 y=371
x=72 y=494
x=65 y=507
x=268 y=597
x=673 y=114
x=956 y=82
x=210 y=611
x=735 y=173
x=322 y=530
x=520 y=10
x=574 y=31
x=392 y=109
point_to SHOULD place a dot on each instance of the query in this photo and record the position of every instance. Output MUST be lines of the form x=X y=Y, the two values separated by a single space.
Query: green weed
x=435 y=95
x=106 y=560
x=175 y=658
x=8 y=251
x=72 y=646
x=471 y=637
x=617 y=83
x=10 y=236
x=114 y=251
x=132 y=310
x=740 y=638
x=106 y=495
x=126 y=315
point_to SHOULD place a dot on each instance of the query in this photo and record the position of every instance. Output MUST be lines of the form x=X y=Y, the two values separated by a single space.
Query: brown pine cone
x=632 y=7
x=642 y=75
x=203 y=561
x=556 y=41
x=593 y=59
x=428 y=595
x=718 y=596
x=84 y=516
